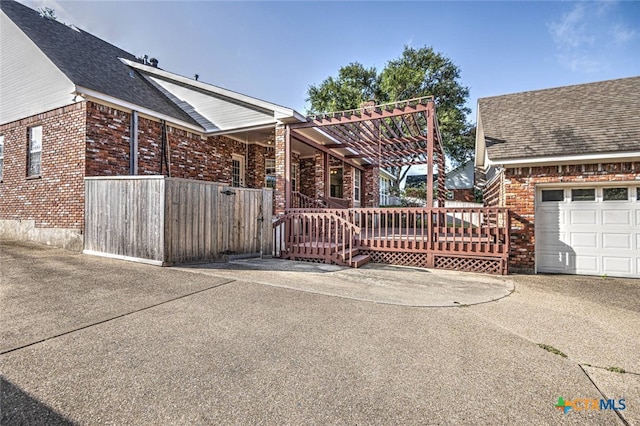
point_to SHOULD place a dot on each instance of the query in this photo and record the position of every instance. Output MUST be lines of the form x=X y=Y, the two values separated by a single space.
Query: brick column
x=278 y=196
x=371 y=190
x=319 y=176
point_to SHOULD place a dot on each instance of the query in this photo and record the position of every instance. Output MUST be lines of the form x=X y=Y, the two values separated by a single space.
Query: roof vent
x=153 y=62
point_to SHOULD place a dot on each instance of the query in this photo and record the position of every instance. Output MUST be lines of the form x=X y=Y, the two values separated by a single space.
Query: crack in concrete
x=55 y=336
x=607 y=369
x=618 y=413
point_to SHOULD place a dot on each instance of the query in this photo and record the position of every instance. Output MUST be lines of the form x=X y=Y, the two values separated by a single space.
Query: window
x=615 y=194
x=35 y=151
x=335 y=180
x=638 y=194
x=583 y=194
x=294 y=177
x=384 y=191
x=357 y=180
x=237 y=170
x=270 y=172
x=552 y=195
x=1 y=155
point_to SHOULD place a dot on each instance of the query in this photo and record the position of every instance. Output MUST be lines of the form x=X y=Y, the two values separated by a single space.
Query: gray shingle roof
x=89 y=61
x=582 y=119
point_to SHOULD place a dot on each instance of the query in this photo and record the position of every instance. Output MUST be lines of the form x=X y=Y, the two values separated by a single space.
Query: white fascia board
x=279 y=112
x=241 y=129
x=386 y=174
x=94 y=95
x=480 y=142
x=295 y=117
x=567 y=159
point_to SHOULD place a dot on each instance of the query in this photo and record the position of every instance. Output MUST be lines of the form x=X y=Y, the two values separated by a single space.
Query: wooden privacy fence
x=168 y=221
x=463 y=238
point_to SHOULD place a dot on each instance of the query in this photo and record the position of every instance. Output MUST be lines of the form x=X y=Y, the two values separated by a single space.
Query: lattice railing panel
x=398 y=258
x=309 y=259
x=487 y=266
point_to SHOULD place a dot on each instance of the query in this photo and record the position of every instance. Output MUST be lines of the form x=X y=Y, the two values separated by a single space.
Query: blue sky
x=275 y=50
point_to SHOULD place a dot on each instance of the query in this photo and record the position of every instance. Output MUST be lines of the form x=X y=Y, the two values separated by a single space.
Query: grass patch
x=551 y=349
x=616 y=370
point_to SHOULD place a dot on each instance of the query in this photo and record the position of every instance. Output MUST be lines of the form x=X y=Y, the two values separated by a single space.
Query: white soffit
x=221 y=113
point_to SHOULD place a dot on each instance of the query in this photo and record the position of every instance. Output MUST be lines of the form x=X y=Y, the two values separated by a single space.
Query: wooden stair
x=341 y=257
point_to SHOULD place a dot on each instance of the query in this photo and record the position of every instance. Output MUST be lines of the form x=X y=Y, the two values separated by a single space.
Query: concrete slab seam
x=377 y=302
x=6 y=351
x=618 y=413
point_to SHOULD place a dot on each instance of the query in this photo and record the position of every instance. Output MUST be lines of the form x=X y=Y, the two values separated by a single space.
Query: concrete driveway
x=87 y=340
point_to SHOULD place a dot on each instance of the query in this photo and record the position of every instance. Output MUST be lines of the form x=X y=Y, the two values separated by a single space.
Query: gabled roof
x=90 y=62
x=461 y=177
x=594 y=118
x=215 y=108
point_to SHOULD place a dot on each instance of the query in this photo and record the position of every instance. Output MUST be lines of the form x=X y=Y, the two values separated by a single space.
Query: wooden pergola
x=395 y=134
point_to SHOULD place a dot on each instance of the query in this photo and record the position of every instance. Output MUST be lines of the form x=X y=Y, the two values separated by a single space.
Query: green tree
x=416 y=73
x=47 y=12
x=354 y=85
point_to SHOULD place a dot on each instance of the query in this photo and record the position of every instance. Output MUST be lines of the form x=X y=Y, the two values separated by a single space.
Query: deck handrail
x=303 y=201
x=316 y=233
x=482 y=231
x=437 y=232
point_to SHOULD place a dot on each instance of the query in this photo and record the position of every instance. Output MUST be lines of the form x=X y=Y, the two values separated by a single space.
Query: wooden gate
x=170 y=221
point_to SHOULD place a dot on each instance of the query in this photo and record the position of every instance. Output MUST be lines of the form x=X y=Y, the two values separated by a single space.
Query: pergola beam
x=394 y=135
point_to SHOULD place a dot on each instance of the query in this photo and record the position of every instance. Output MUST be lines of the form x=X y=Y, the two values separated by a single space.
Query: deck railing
x=314 y=234
x=301 y=201
x=471 y=230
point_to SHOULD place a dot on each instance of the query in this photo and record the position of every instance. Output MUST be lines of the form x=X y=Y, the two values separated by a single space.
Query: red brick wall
x=371 y=187
x=279 y=194
x=190 y=155
x=107 y=148
x=56 y=198
x=319 y=176
x=308 y=176
x=256 y=173
x=463 y=195
x=519 y=197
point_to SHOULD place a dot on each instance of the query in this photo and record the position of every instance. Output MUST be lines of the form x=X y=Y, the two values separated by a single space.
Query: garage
x=588 y=230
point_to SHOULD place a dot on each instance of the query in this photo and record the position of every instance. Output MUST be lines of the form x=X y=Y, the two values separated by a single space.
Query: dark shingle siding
x=583 y=119
x=89 y=61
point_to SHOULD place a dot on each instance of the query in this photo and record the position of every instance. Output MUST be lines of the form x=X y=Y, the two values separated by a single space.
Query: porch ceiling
x=387 y=135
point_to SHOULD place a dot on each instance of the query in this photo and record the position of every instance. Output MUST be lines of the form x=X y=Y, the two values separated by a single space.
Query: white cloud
x=571 y=31
x=622 y=34
x=584 y=35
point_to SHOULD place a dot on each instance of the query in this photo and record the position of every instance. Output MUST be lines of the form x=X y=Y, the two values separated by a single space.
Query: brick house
x=74 y=106
x=566 y=162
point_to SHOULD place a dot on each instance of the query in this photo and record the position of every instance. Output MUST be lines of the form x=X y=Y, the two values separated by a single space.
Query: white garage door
x=589 y=230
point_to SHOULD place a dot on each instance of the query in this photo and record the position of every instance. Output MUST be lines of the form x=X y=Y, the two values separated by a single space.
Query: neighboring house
x=566 y=162
x=74 y=106
x=458 y=182
x=386 y=183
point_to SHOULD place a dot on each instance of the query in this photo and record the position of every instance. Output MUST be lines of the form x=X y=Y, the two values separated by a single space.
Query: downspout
x=133 y=144
x=163 y=148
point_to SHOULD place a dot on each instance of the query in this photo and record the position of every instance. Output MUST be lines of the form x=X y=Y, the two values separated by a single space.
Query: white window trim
x=266 y=167
x=34 y=151
x=241 y=177
x=1 y=156
x=357 y=184
x=294 y=178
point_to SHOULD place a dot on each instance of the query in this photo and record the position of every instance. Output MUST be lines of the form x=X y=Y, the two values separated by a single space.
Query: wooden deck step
x=360 y=260
x=343 y=255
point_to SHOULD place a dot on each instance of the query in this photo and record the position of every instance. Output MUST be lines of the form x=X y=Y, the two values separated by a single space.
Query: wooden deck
x=474 y=239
